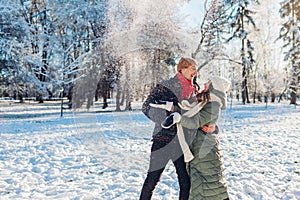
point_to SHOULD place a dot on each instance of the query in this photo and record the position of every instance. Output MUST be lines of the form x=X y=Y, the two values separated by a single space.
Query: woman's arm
x=208 y=115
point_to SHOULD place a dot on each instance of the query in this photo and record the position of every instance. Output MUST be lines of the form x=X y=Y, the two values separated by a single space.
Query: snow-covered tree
x=14 y=35
x=87 y=49
x=212 y=29
x=146 y=36
x=266 y=77
x=37 y=15
x=81 y=43
x=210 y=50
x=239 y=19
x=290 y=34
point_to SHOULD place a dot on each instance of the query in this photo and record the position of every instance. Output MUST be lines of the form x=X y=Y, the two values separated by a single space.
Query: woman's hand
x=209 y=128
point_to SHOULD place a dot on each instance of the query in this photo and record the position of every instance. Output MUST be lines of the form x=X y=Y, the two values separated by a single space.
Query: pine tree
x=239 y=18
x=290 y=34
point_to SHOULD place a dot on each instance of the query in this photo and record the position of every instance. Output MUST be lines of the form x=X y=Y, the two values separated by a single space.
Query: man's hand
x=167 y=105
x=209 y=128
x=171 y=120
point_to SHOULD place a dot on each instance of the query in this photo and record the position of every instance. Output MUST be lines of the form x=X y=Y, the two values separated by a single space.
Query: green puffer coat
x=206 y=169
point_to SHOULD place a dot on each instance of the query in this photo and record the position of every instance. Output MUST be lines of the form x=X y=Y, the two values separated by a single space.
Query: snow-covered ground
x=104 y=155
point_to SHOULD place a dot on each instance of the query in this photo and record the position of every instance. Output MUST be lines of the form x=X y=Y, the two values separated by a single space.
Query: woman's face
x=190 y=72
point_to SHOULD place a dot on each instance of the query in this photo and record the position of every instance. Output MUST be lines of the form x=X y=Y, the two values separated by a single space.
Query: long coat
x=206 y=169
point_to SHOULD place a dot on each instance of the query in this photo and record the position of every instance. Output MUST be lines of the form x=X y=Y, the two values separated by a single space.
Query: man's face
x=190 y=72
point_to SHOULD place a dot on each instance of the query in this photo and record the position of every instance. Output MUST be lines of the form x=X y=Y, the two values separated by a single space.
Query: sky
x=194 y=11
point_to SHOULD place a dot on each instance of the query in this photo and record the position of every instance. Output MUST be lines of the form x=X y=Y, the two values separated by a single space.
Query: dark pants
x=161 y=153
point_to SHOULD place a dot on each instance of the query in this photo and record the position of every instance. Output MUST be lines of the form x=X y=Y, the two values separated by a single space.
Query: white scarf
x=193 y=109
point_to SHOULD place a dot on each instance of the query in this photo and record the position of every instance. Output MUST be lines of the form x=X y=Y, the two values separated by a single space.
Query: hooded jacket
x=206 y=169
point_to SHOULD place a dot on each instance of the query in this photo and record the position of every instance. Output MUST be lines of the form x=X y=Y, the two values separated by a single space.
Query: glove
x=171 y=120
x=167 y=105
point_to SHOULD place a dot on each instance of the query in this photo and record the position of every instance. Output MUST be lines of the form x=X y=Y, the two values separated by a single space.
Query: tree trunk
x=245 y=95
x=294 y=57
x=89 y=101
x=273 y=97
x=45 y=48
x=281 y=95
x=105 y=104
x=259 y=98
x=143 y=93
x=293 y=88
x=293 y=95
x=238 y=95
x=39 y=98
x=123 y=98
x=244 y=86
x=21 y=98
x=128 y=100
x=118 y=96
x=266 y=98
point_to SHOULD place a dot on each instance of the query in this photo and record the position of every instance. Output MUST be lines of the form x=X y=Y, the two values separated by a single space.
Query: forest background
x=91 y=49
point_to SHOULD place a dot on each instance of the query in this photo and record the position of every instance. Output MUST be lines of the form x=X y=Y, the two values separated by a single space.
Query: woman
x=206 y=169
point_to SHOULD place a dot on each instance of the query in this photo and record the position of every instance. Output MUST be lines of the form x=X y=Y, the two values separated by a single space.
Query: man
x=165 y=145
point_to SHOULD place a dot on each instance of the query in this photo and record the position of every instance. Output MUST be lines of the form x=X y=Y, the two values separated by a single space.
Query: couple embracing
x=185 y=133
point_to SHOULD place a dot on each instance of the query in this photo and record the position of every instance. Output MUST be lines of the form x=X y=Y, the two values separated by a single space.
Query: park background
x=73 y=76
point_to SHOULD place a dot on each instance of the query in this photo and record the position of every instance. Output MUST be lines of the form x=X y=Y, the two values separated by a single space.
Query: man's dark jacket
x=168 y=90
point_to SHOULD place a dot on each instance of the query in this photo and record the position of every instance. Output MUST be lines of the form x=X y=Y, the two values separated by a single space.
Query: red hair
x=185 y=63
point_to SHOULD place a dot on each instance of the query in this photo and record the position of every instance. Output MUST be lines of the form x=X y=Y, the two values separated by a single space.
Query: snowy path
x=105 y=155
